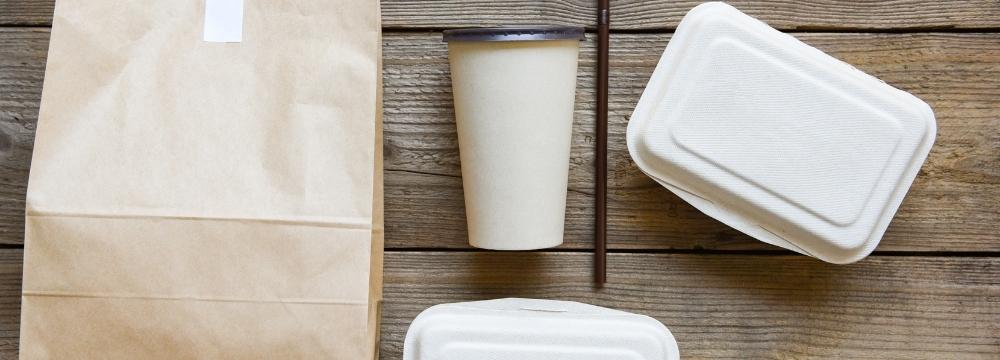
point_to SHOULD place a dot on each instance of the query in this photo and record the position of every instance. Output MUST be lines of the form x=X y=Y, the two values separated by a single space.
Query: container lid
x=777 y=139
x=526 y=329
x=515 y=33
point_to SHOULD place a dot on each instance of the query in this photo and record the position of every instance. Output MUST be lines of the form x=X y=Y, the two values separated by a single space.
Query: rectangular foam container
x=527 y=329
x=776 y=138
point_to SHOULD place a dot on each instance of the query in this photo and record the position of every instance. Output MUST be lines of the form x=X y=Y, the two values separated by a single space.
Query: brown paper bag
x=190 y=199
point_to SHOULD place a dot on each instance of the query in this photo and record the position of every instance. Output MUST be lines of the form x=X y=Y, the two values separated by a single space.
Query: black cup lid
x=515 y=33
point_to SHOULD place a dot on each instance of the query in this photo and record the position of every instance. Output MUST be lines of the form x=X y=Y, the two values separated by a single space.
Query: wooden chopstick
x=601 y=185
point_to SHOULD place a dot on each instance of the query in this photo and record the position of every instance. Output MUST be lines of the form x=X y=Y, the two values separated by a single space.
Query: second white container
x=514 y=91
x=530 y=329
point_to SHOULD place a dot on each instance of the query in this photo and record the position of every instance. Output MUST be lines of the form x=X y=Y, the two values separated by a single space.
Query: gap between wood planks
x=590 y=30
x=799 y=30
x=775 y=252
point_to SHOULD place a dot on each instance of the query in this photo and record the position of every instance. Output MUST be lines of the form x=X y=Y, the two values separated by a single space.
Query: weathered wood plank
x=22 y=68
x=952 y=207
x=32 y=12
x=640 y=14
x=10 y=302
x=953 y=202
x=423 y=185
x=734 y=306
x=822 y=14
x=716 y=306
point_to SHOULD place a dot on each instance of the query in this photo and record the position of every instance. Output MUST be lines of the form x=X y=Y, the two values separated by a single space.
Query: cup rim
x=515 y=33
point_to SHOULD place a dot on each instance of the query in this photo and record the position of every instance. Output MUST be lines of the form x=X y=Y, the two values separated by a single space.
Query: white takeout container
x=776 y=138
x=526 y=329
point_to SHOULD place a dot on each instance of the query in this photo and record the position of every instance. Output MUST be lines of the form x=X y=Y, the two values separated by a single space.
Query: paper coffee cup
x=514 y=91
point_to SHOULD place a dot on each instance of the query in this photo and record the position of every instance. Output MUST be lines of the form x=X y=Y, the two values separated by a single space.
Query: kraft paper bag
x=193 y=199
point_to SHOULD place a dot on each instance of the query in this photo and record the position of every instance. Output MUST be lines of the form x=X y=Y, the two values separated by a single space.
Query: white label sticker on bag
x=224 y=20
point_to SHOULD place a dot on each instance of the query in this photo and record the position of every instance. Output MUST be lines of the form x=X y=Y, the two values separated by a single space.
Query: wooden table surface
x=931 y=289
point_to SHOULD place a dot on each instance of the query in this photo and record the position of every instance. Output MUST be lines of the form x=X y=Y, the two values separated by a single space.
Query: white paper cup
x=514 y=91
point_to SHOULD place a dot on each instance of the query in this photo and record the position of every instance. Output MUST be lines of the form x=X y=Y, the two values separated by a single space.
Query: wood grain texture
x=822 y=14
x=953 y=206
x=10 y=302
x=22 y=68
x=641 y=14
x=954 y=202
x=728 y=306
x=717 y=306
